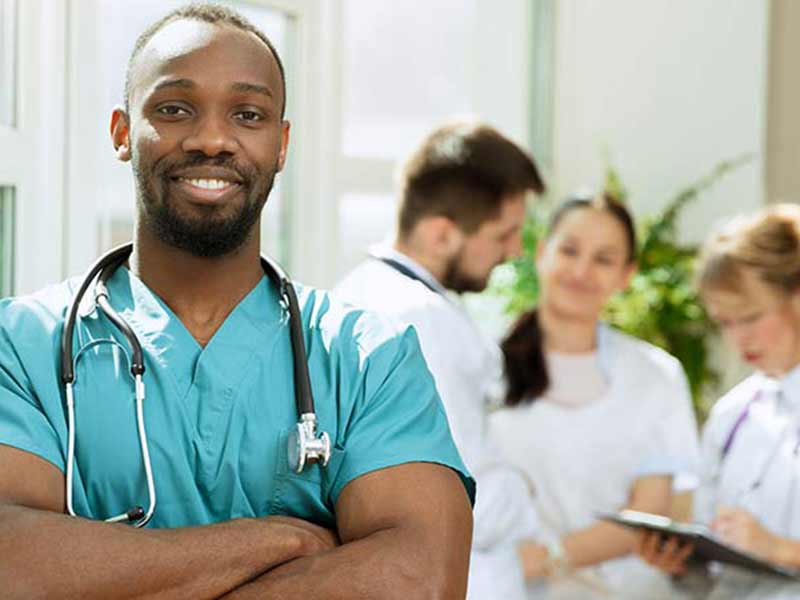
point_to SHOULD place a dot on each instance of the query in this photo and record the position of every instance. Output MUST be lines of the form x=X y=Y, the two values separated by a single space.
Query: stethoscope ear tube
x=304 y=398
x=101 y=297
x=302 y=379
x=114 y=257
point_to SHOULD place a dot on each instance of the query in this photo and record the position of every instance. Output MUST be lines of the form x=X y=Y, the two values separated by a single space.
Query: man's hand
x=741 y=529
x=667 y=555
x=315 y=539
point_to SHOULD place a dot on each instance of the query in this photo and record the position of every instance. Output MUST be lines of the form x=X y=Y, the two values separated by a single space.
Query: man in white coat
x=462 y=206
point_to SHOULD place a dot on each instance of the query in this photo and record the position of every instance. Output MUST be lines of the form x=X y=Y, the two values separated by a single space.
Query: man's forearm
x=387 y=564
x=45 y=554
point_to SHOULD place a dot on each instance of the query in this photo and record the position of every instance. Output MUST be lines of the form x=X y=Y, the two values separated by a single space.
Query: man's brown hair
x=463 y=171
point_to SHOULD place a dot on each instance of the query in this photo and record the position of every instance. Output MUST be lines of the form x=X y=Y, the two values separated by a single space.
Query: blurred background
x=649 y=96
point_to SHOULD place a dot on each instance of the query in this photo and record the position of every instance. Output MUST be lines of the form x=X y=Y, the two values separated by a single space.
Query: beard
x=456 y=279
x=209 y=236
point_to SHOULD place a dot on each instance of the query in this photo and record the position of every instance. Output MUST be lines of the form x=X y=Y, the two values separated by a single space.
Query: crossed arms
x=404 y=531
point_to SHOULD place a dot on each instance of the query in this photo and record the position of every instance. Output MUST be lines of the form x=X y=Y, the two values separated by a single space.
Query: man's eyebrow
x=239 y=86
x=245 y=87
x=179 y=83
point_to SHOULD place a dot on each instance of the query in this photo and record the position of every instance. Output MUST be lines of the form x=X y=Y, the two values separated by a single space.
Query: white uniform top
x=760 y=472
x=468 y=374
x=584 y=459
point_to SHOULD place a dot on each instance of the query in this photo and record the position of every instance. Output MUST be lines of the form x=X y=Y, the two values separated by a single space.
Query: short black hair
x=464 y=171
x=209 y=13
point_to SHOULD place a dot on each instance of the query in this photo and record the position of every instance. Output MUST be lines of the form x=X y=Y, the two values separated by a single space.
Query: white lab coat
x=583 y=460
x=468 y=372
x=765 y=449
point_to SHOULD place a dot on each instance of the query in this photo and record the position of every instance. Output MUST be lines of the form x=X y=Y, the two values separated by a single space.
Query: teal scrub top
x=218 y=417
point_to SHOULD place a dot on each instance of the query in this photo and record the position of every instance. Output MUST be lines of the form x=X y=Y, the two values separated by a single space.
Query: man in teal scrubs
x=389 y=516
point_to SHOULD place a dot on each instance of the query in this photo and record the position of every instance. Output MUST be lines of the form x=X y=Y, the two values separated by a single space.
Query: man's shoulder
x=346 y=327
x=375 y=285
x=37 y=314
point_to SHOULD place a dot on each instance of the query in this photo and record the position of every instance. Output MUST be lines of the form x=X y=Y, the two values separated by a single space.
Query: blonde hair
x=767 y=242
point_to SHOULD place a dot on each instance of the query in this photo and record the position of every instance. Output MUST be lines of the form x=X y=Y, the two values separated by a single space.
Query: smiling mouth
x=206 y=190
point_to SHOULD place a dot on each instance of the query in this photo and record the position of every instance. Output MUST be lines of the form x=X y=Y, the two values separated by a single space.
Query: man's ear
x=447 y=235
x=121 y=134
x=285 y=127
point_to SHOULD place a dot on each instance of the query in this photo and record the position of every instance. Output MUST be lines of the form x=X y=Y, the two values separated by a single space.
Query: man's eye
x=249 y=115
x=172 y=110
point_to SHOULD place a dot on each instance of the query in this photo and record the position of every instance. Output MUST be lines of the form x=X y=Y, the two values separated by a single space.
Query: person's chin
x=576 y=311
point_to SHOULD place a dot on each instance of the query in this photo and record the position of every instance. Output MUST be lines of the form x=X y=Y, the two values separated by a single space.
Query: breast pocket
x=305 y=495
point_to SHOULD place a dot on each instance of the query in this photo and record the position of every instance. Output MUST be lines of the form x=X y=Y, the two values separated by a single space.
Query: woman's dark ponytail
x=523 y=353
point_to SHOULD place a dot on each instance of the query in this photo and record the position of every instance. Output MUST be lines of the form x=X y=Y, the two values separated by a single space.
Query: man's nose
x=212 y=136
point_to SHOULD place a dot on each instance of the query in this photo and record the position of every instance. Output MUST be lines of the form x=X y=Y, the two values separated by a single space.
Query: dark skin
x=402 y=532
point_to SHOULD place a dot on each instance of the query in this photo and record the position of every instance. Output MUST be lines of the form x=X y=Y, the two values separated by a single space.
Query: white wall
x=669 y=88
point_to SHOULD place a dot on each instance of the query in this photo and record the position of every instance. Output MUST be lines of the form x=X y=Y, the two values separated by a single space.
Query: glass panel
x=123 y=22
x=364 y=219
x=394 y=93
x=120 y=231
x=543 y=49
x=8 y=62
x=6 y=241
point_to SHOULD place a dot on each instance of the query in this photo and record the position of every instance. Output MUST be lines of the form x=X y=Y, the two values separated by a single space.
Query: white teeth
x=207 y=184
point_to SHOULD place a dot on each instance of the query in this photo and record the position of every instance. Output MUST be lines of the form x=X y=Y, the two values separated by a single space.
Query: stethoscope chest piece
x=306 y=446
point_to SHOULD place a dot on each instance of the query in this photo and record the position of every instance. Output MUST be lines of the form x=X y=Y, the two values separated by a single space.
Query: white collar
x=789 y=387
x=384 y=250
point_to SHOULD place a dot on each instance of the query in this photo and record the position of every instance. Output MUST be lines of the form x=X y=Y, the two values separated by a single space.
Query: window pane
x=6 y=241
x=395 y=92
x=364 y=220
x=8 y=62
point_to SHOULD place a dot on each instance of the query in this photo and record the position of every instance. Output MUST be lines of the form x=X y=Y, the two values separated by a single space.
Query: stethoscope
x=755 y=484
x=305 y=444
x=404 y=270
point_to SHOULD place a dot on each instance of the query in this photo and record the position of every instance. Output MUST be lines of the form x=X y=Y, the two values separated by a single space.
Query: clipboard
x=707 y=546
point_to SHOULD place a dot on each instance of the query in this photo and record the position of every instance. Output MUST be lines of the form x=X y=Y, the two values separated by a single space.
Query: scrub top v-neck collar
x=169 y=342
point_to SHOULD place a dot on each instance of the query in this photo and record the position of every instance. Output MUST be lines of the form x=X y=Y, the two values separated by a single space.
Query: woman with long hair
x=598 y=420
x=749 y=281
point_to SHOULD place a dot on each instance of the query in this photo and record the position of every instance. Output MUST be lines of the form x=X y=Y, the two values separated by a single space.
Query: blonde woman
x=598 y=420
x=749 y=279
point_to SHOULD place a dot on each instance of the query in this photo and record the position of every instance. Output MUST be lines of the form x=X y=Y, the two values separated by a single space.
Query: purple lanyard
x=738 y=424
